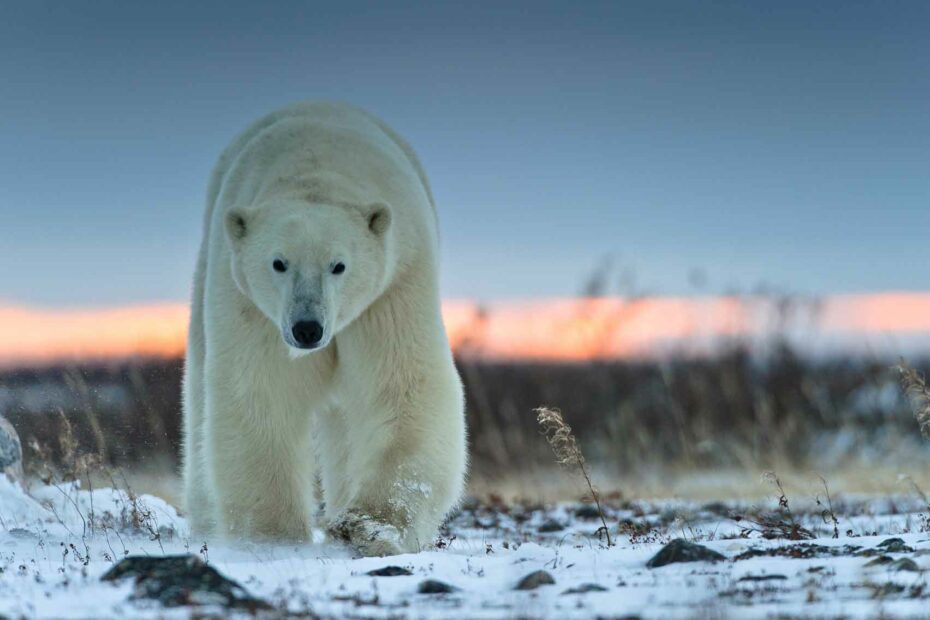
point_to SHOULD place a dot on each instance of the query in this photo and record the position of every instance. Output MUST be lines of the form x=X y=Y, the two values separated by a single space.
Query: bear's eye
x=338 y=268
x=279 y=265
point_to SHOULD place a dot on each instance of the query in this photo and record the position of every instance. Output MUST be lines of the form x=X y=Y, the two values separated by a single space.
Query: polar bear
x=317 y=355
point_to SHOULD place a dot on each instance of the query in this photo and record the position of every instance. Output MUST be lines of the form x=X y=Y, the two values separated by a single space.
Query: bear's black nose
x=307 y=334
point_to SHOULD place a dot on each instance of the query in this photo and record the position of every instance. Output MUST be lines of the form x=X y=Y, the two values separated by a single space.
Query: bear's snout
x=307 y=334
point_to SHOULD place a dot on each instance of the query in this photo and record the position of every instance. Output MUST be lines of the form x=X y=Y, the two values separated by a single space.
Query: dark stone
x=887 y=589
x=485 y=524
x=389 y=571
x=585 y=588
x=890 y=541
x=894 y=545
x=801 y=551
x=520 y=515
x=762 y=578
x=680 y=550
x=587 y=511
x=905 y=564
x=717 y=508
x=433 y=586
x=551 y=525
x=534 y=580
x=178 y=580
x=880 y=561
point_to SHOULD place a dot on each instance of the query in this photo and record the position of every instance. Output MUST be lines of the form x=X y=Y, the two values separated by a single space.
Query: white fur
x=376 y=413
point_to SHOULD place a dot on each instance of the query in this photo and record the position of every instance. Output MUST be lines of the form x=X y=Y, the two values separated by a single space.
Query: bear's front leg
x=389 y=480
x=261 y=474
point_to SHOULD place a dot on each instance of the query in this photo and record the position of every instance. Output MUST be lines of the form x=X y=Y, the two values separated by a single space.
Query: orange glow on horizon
x=542 y=329
x=38 y=336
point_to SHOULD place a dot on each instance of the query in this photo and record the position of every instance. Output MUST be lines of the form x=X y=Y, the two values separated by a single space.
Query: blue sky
x=780 y=143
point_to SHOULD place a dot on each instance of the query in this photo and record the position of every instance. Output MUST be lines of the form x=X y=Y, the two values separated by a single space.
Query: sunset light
x=546 y=329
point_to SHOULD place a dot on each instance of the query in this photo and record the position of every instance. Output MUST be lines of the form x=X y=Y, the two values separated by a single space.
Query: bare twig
x=920 y=492
x=772 y=479
x=781 y=524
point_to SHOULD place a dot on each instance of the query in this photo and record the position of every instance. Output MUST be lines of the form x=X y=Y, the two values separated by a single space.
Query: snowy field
x=57 y=542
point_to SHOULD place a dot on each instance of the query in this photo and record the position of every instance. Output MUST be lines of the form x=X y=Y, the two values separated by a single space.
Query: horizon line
x=608 y=327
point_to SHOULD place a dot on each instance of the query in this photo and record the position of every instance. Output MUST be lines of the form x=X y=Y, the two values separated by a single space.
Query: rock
x=178 y=580
x=894 y=545
x=11 y=451
x=434 y=586
x=22 y=534
x=887 y=589
x=717 y=508
x=550 y=525
x=800 y=551
x=772 y=577
x=905 y=564
x=881 y=560
x=890 y=541
x=389 y=571
x=485 y=524
x=585 y=588
x=680 y=550
x=534 y=580
x=587 y=511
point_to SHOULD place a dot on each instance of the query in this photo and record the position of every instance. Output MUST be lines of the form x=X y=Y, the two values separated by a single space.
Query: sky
x=756 y=143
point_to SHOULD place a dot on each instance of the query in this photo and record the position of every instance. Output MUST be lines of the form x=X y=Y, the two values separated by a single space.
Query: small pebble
x=585 y=588
x=587 y=511
x=551 y=525
x=389 y=571
x=433 y=586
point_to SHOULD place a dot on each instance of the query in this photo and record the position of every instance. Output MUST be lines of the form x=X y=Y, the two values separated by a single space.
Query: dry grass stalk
x=827 y=514
x=915 y=386
x=74 y=379
x=568 y=454
x=781 y=524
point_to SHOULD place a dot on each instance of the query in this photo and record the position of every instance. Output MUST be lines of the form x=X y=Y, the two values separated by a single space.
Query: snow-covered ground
x=56 y=543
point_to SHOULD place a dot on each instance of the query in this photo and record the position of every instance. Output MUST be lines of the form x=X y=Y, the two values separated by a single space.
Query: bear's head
x=310 y=268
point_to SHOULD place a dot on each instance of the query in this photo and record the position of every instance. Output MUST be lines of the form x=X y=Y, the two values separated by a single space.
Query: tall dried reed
x=915 y=386
x=568 y=454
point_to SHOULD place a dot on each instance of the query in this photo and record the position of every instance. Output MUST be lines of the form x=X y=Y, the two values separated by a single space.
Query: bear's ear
x=378 y=217
x=237 y=223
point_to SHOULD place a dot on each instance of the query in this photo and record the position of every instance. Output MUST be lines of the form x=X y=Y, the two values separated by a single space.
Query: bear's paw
x=370 y=536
